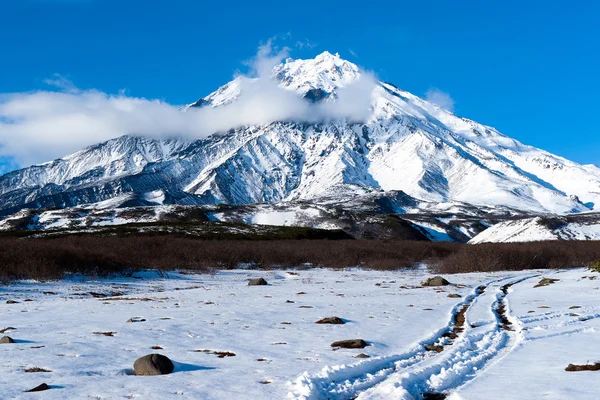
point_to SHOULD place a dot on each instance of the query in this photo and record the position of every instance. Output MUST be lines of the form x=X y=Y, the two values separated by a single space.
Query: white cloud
x=440 y=98
x=301 y=44
x=61 y=83
x=43 y=125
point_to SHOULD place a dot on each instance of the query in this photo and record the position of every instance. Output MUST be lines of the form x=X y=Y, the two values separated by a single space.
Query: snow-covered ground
x=534 y=229
x=279 y=350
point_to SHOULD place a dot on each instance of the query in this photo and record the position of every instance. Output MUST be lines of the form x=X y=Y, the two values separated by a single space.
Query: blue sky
x=528 y=68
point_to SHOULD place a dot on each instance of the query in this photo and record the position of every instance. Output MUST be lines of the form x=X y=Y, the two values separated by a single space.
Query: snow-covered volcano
x=405 y=144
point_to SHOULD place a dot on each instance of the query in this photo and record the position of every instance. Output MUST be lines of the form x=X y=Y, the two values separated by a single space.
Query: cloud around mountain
x=42 y=125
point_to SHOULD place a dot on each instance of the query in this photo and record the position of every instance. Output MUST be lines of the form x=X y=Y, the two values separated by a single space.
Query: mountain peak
x=328 y=56
x=323 y=74
x=326 y=72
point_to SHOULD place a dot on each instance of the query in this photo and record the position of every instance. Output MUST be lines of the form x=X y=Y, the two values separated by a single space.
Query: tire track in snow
x=476 y=350
x=348 y=381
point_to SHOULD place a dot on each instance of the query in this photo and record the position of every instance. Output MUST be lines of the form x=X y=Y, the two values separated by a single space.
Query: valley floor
x=502 y=339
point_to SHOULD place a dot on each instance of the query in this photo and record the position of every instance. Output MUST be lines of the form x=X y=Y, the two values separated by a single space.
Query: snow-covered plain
x=279 y=350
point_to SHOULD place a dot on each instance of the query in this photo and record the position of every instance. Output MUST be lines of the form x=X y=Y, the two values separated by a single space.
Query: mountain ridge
x=405 y=143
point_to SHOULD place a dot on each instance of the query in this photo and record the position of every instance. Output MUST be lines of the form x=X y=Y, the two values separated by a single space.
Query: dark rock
x=36 y=369
x=546 y=282
x=350 y=344
x=436 y=281
x=153 y=364
x=257 y=282
x=136 y=319
x=316 y=95
x=331 y=320
x=39 y=388
x=434 y=396
x=220 y=354
x=454 y=296
x=12 y=302
x=363 y=355
x=6 y=340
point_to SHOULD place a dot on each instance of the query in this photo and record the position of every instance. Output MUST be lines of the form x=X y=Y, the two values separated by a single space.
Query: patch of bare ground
x=220 y=354
x=37 y=369
x=584 y=367
x=546 y=282
x=501 y=309
x=436 y=348
x=136 y=299
x=105 y=333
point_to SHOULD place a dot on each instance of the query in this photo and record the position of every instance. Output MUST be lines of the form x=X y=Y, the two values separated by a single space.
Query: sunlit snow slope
x=572 y=227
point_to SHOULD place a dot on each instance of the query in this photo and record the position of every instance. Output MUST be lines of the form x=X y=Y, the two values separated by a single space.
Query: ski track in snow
x=419 y=373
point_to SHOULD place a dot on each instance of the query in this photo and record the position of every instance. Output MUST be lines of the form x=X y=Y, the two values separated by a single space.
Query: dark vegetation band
x=51 y=258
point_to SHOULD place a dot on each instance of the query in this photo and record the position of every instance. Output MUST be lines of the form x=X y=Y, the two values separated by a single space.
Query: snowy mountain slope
x=571 y=227
x=405 y=144
x=369 y=216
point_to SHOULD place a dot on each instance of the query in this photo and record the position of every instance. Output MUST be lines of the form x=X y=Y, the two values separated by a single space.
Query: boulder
x=436 y=281
x=257 y=282
x=350 y=344
x=39 y=388
x=6 y=340
x=153 y=364
x=546 y=282
x=331 y=320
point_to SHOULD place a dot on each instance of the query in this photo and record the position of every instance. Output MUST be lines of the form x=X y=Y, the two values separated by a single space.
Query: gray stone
x=350 y=344
x=436 y=281
x=6 y=340
x=153 y=364
x=257 y=282
x=331 y=320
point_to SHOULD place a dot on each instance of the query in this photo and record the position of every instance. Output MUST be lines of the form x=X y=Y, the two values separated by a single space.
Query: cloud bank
x=43 y=125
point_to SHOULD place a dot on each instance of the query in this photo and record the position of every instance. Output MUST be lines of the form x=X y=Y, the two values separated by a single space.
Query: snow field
x=281 y=353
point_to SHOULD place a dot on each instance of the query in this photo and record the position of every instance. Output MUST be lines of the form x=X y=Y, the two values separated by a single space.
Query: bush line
x=52 y=258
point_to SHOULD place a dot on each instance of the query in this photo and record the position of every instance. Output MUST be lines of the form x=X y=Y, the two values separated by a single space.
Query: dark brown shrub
x=51 y=258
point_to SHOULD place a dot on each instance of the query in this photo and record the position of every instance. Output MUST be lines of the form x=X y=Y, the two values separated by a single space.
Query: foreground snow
x=280 y=352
